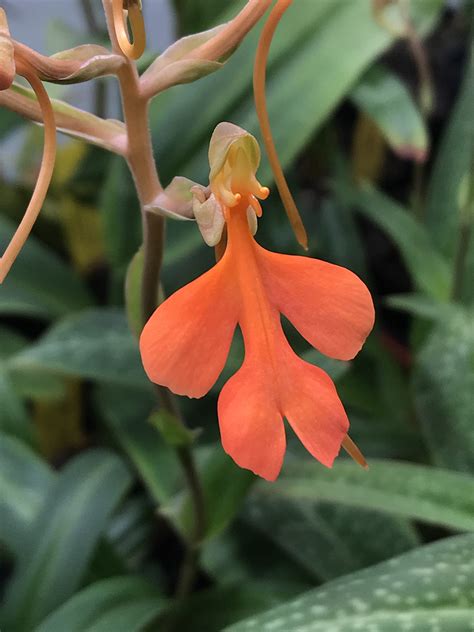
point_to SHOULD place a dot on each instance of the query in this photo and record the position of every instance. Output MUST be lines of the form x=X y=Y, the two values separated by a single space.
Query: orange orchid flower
x=186 y=342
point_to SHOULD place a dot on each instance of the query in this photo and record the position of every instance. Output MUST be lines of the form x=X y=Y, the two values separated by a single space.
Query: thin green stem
x=143 y=168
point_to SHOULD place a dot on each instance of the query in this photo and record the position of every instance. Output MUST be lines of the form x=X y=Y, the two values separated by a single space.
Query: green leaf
x=24 y=483
x=63 y=537
x=14 y=419
x=39 y=283
x=415 y=491
x=424 y=590
x=302 y=83
x=120 y=215
x=420 y=305
x=123 y=603
x=126 y=412
x=225 y=487
x=384 y=98
x=452 y=165
x=444 y=391
x=215 y=608
x=95 y=344
x=430 y=271
x=325 y=540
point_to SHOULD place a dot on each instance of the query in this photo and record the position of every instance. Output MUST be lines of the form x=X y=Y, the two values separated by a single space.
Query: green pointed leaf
x=444 y=391
x=126 y=413
x=106 y=602
x=424 y=590
x=225 y=487
x=24 y=482
x=95 y=344
x=53 y=290
x=429 y=269
x=384 y=98
x=328 y=541
x=63 y=537
x=420 y=492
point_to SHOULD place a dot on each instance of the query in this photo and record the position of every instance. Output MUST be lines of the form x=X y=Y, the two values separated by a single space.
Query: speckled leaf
x=427 y=590
x=444 y=391
x=415 y=491
x=328 y=540
x=95 y=344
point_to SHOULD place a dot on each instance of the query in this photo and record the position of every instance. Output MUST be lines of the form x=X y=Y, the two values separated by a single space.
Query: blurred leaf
x=384 y=98
x=133 y=291
x=53 y=289
x=339 y=238
x=444 y=391
x=131 y=532
x=306 y=45
x=215 y=608
x=24 y=482
x=14 y=419
x=120 y=215
x=82 y=227
x=304 y=69
x=95 y=344
x=59 y=422
x=194 y=17
x=225 y=487
x=62 y=539
x=420 y=305
x=126 y=412
x=428 y=268
x=243 y=554
x=368 y=150
x=453 y=164
x=122 y=603
x=328 y=541
x=420 y=492
x=426 y=589
x=9 y=121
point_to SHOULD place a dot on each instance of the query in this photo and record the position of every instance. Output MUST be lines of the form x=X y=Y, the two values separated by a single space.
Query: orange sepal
x=329 y=305
x=251 y=425
x=185 y=344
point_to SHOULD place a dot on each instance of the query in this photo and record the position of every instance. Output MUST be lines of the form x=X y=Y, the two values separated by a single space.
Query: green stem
x=143 y=168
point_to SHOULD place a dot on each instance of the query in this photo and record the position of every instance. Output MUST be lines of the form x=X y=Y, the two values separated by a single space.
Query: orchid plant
x=186 y=340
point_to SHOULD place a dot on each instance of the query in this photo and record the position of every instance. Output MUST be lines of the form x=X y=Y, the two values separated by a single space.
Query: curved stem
x=259 y=83
x=131 y=50
x=44 y=177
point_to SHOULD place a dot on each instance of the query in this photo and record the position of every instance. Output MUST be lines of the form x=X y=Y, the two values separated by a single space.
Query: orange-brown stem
x=259 y=83
x=44 y=178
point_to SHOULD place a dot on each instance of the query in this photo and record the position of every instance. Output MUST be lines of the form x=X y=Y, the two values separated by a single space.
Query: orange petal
x=329 y=305
x=252 y=429
x=185 y=344
x=312 y=407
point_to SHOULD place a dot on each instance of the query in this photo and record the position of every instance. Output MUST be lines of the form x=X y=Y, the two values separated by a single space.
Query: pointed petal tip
x=353 y=451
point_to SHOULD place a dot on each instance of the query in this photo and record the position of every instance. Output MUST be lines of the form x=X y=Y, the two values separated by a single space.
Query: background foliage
x=93 y=506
